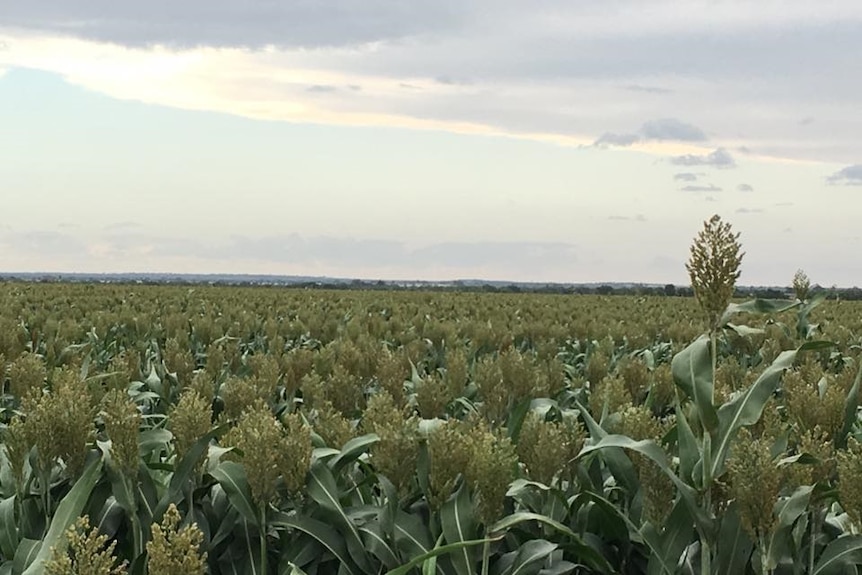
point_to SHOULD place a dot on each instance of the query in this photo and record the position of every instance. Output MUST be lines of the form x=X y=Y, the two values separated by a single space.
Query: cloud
x=707 y=188
x=661 y=130
x=686 y=177
x=671 y=129
x=321 y=89
x=849 y=176
x=749 y=211
x=622 y=140
x=636 y=218
x=806 y=121
x=647 y=89
x=720 y=158
x=37 y=242
x=575 y=70
x=745 y=188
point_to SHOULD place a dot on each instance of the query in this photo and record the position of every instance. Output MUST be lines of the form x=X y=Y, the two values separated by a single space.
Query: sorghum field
x=182 y=430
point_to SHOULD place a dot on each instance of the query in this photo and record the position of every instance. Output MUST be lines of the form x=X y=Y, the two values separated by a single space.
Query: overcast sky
x=551 y=140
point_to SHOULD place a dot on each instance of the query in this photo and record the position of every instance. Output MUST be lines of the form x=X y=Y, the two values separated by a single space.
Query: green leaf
x=8 y=527
x=323 y=489
x=788 y=510
x=411 y=535
x=668 y=545
x=763 y=306
x=586 y=553
x=735 y=547
x=25 y=555
x=185 y=471
x=688 y=448
x=459 y=525
x=326 y=535
x=692 y=372
x=530 y=557
x=616 y=459
x=746 y=408
x=231 y=476
x=352 y=450
x=839 y=554
x=453 y=548
x=650 y=449
x=375 y=542
x=68 y=511
x=153 y=439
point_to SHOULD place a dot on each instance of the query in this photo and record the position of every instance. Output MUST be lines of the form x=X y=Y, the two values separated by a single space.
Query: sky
x=549 y=141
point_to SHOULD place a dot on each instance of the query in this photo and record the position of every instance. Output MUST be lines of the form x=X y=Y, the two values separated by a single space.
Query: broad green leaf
x=788 y=510
x=453 y=548
x=840 y=554
x=746 y=408
x=669 y=543
x=616 y=459
x=653 y=451
x=586 y=553
x=377 y=545
x=185 y=471
x=25 y=555
x=758 y=305
x=692 y=372
x=352 y=450
x=735 y=547
x=67 y=512
x=411 y=536
x=459 y=526
x=530 y=557
x=326 y=535
x=323 y=489
x=8 y=527
x=232 y=478
x=152 y=439
x=688 y=449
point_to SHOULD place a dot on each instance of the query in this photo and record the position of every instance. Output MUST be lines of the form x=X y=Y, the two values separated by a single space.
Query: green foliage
x=311 y=431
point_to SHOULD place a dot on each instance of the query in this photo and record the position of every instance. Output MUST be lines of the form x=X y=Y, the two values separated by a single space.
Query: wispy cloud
x=686 y=176
x=706 y=188
x=745 y=188
x=849 y=176
x=720 y=158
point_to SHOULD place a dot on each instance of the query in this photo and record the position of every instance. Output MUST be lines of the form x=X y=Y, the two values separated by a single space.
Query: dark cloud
x=321 y=89
x=610 y=139
x=355 y=87
x=671 y=129
x=806 y=121
x=706 y=188
x=686 y=177
x=252 y=24
x=745 y=188
x=661 y=130
x=849 y=176
x=719 y=158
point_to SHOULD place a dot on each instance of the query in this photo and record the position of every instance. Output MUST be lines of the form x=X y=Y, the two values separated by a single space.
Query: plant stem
x=812 y=536
x=262 y=533
x=486 y=555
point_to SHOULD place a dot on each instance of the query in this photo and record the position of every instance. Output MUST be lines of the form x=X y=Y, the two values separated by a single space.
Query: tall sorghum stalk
x=713 y=269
